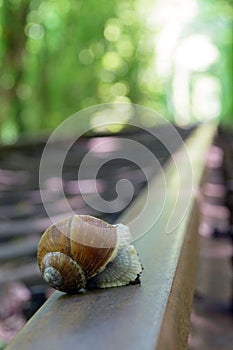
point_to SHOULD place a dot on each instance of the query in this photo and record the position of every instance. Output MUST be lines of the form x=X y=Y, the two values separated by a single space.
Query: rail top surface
x=136 y=317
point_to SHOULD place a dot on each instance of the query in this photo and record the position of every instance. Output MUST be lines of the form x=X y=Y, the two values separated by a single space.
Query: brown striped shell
x=85 y=251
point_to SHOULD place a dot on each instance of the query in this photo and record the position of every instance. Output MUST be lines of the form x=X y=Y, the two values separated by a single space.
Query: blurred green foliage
x=58 y=57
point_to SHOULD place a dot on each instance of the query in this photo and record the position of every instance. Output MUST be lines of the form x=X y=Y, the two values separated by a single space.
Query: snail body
x=82 y=251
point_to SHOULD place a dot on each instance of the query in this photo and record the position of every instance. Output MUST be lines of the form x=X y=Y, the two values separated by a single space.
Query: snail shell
x=83 y=251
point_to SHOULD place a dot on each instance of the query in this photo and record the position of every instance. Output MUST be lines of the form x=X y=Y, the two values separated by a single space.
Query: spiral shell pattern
x=74 y=250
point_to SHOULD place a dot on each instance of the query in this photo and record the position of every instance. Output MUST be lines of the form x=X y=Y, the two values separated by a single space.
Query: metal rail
x=153 y=315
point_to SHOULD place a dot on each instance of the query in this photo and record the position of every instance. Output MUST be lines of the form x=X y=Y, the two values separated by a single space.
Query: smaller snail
x=82 y=251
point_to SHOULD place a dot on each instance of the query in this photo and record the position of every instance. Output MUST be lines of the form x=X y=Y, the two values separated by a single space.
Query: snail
x=82 y=251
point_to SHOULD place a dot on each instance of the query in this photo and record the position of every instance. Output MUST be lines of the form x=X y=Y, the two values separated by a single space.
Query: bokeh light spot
x=24 y=91
x=86 y=56
x=112 y=30
x=197 y=53
x=34 y=31
x=112 y=60
x=120 y=89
